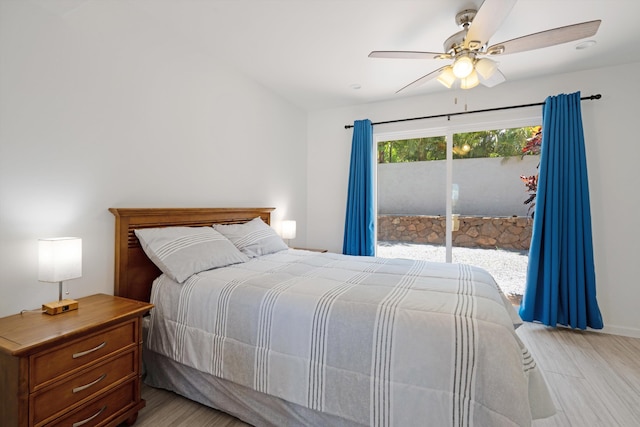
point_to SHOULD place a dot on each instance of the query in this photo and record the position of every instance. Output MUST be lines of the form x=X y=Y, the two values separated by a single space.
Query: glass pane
x=412 y=198
x=491 y=227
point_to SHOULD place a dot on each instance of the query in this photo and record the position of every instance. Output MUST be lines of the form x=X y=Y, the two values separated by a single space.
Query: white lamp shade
x=59 y=259
x=486 y=68
x=470 y=81
x=288 y=229
x=446 y=77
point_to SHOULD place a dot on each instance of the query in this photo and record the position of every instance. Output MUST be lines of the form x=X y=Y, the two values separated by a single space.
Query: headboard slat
x=134 y=272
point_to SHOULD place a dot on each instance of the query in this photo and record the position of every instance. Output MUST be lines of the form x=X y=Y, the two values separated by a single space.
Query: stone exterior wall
x=473 y=232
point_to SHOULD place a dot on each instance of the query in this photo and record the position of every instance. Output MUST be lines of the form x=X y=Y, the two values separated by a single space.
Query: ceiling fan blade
x=496 y=78
x=546 y=38
x=406 y=54
x=422 y=80
x=489 y=18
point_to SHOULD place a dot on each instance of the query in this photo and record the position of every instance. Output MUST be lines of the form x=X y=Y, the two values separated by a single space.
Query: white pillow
x=180 y=252
x=253 y=238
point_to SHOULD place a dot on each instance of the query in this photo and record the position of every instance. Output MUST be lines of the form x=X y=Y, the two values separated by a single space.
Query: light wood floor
x=594 y=379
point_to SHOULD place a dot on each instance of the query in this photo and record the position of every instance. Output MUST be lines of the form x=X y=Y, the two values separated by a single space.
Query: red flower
x=533 y=144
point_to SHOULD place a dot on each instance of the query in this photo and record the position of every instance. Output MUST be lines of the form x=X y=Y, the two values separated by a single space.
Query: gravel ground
x=509 y=268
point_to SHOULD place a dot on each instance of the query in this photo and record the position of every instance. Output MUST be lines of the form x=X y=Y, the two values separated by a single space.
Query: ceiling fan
x=469 y=51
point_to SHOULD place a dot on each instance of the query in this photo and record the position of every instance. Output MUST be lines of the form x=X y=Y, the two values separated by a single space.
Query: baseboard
x=608 y=329
x=620 y=330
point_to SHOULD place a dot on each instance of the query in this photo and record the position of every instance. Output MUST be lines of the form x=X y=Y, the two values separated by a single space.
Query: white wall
x=610 y=131
x=90 y=121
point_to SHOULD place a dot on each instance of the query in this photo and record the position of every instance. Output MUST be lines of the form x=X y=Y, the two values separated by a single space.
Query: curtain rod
x=448 y=115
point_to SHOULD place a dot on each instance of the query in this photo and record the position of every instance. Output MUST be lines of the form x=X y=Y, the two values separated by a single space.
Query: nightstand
x=77 y=368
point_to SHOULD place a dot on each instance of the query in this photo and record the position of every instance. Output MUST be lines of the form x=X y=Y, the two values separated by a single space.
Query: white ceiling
x=312 y=52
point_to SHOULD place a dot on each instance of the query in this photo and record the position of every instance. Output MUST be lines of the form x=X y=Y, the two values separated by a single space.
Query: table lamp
x=288 y=230
x=59 y=259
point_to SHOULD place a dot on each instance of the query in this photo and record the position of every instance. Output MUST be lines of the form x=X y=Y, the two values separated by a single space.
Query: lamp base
x=61 y=306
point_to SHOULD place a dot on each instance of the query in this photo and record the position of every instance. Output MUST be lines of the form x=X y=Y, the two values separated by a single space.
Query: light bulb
x=462 y=66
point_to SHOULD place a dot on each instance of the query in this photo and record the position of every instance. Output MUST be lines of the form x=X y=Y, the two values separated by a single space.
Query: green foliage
x=492 y=143
x=412 y=150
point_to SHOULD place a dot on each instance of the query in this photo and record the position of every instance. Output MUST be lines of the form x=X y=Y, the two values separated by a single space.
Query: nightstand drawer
x=66 y=393
x=63 y=359
x=98 y=412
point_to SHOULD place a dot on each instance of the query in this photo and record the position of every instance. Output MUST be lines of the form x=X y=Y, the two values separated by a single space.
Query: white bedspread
x=377 y=341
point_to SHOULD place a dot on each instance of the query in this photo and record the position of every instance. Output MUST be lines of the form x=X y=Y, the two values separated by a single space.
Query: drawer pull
x=83 y=422
x=84 y=353
x=86 y=386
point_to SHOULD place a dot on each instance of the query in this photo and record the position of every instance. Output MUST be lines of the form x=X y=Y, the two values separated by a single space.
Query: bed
x=288 y=337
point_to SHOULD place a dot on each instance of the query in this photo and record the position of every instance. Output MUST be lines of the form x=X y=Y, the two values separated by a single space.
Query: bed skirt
x=250 y=406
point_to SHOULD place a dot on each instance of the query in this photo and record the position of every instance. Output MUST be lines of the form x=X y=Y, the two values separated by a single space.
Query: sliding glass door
x=456 y=195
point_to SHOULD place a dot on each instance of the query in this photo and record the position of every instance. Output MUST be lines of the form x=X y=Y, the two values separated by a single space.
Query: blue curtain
x=561 y=285
x=359 y=223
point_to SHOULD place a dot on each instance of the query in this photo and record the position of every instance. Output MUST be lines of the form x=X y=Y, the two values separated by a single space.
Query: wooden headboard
x=134 y=271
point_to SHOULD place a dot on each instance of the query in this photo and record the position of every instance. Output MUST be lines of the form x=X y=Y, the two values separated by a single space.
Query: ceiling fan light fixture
x=446 y=77
x=470 y=81
x=462 y=66
x=467 y=50
x=486 y=68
